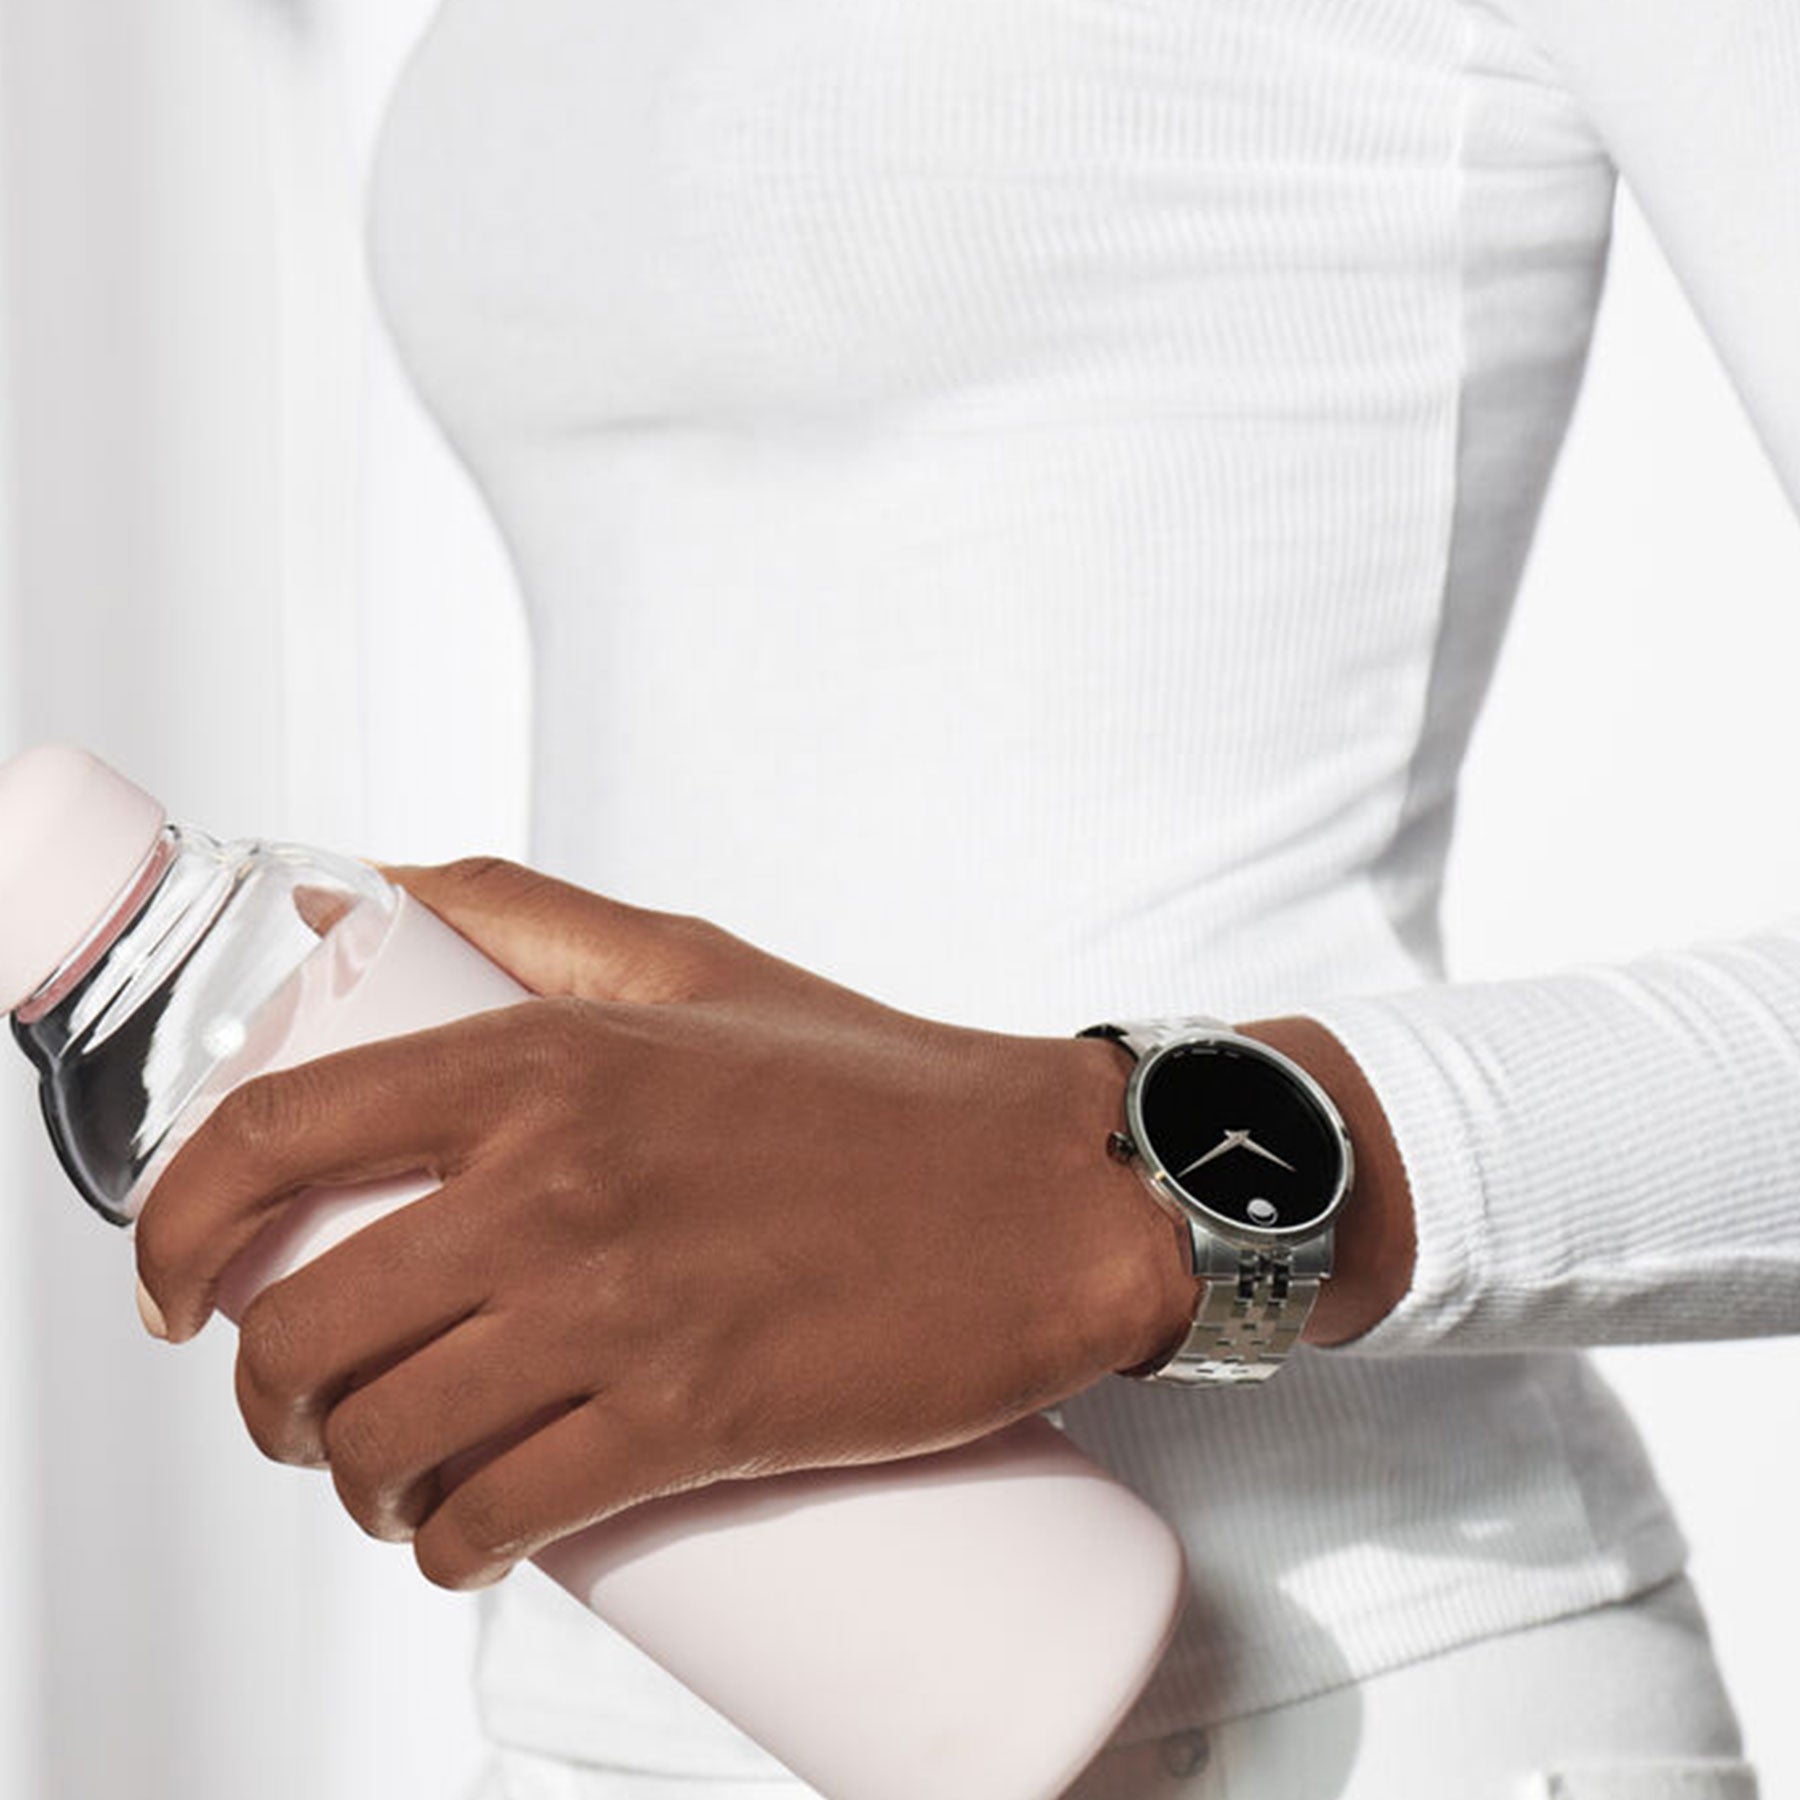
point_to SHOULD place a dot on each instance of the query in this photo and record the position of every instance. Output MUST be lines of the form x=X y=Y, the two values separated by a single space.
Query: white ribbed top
x=1017 y=505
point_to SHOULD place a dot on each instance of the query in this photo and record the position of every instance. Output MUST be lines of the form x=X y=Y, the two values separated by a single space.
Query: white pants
x=1623 y=1702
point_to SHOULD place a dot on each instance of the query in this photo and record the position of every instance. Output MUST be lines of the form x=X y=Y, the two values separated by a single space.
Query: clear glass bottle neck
x=195 y=960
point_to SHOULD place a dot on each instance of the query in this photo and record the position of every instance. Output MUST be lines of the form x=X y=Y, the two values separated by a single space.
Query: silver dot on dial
x=1262 y=1211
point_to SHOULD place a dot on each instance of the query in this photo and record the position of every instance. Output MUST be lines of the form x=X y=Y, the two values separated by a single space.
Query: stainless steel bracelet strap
x=1256 y=1302
x=1255 y=1305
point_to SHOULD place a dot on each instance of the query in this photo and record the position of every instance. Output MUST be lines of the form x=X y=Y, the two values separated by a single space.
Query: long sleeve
x=1610 y=1152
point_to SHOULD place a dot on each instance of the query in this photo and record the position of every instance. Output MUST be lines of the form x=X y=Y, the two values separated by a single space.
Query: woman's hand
x=704 y=1214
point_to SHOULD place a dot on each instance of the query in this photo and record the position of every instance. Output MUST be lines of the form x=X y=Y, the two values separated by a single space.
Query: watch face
x=1241 y=1138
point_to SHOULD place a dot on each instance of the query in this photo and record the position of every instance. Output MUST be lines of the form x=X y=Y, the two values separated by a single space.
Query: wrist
x=1143 y=1301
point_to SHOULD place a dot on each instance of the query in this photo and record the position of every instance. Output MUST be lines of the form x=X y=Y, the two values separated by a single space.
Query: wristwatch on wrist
x=1245 y=1149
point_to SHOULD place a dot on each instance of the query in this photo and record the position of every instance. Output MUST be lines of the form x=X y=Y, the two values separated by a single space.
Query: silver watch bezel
x=1176 y=1200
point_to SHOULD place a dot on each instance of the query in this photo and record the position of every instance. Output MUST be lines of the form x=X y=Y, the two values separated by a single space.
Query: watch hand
x=1250 y=1143
x=1230 y=1141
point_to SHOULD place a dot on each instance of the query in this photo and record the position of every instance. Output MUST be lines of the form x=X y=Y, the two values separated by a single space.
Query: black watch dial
x=1241 y=1138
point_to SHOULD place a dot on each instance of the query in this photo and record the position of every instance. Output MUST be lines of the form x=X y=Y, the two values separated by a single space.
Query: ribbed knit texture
x=1017 y=503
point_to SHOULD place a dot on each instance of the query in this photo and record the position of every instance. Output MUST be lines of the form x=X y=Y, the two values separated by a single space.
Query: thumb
x=558 y=938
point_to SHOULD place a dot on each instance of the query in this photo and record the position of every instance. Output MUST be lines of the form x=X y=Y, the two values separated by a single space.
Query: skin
x=703 y=1215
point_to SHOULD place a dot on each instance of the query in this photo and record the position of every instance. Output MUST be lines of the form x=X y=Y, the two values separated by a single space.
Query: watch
x=1242 y=1147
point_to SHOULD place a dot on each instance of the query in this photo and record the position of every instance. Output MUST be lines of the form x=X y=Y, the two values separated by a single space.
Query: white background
x=243 y=564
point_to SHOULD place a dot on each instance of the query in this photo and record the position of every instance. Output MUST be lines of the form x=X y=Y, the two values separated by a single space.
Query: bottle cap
x=73 y=832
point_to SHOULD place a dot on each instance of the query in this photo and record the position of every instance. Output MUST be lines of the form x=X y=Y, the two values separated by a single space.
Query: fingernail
x=151 y=1313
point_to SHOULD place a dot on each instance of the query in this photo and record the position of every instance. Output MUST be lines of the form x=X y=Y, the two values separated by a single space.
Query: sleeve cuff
x=1435 y=1141
x=1606 y=1153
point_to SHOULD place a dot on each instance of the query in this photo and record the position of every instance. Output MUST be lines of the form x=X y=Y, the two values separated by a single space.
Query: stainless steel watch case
x=1261 y=1284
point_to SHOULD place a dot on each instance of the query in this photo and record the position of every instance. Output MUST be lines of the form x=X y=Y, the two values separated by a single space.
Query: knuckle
x=466 y=1538
x=673 y=1404
x=358 y=1449
x=696 y=1391
x=564 y=1035
x=484 y=867
x=485 y=1518
x=441 y=1559
x=271 y=1349
x=547 y=1052
x=567 y=1190
x=698 y=958
x=258 y=1113
x=271 y=1423
x=621 y=1294
x=355 y=1440
x=580 y=1214
x=698 y=932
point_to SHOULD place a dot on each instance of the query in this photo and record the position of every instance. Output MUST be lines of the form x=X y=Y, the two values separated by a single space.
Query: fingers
x=423 y=1100
x=346 y=1316
x=385 y=1441
x=581 y=1467
x=558 y=938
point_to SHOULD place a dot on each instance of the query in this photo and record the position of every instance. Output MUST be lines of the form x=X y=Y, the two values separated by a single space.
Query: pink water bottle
x=970 y=1624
